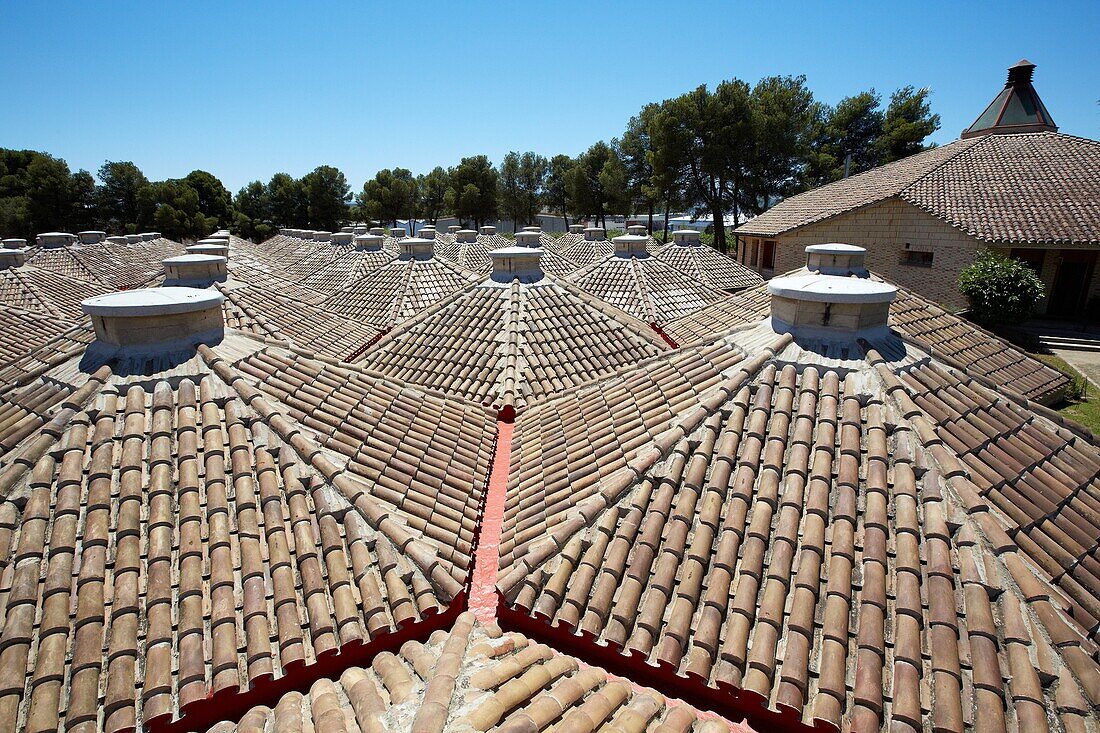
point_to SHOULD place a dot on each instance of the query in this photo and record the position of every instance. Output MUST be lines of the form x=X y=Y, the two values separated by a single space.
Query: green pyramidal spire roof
x=1016 y=109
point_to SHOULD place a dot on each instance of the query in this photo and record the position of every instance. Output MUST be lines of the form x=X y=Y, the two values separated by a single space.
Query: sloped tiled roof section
x=707 y=265
x=307 y=326
x=398 y=291
x=345 y=269
x=505 y=346
x=47 y=292
x=801 y=538
x=933 y=329
x=476 y=679
x=419 y=453
x=170 y=542
x=646 y=288
x=1027 y=189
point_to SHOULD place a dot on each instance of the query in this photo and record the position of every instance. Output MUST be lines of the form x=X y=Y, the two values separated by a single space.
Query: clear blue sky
x=244 y=90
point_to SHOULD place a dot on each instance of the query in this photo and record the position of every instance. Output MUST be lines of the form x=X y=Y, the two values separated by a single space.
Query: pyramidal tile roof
x=647 y=288
x=816 y=537
x=960 y=342
x=505 y=345
x=398 y=290
x=45 y=291
x=174 y=539
x=708 y=265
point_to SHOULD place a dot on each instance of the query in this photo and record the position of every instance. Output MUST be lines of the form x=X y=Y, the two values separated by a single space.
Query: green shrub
x=1001 y=291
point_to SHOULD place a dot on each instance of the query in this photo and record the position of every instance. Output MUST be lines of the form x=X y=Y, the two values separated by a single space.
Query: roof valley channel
x=513 y=320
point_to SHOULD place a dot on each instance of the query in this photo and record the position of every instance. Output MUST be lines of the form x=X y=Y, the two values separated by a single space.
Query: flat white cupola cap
x=153 y=316
x=398 y=232
x=91 y=237
x=837 y=259
x=369 y=242
x=55 y=239
x=818 y=301
x=453 y=229
x=133 y=238
x=528 y=238
x=14 y=243
x=195 y=268
x=686 y=237
x=347 y=230
x=427 y=233
x=576 y=228
x=488 y=231
x=531 y=229
x=377 y=230
x=322 y=236
x=119 y=239
x=638 y=229
x=342 y=237
x=148 y=236
x=595 y=234
x=11 y=257
x=417 y=248
x=466 y=235
x=631 y=245
x=522 y=263
x=220 y=249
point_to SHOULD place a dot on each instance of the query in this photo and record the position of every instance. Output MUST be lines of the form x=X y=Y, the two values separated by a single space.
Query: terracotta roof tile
x=646 y=288
x=1035 y=188
x=708 y=265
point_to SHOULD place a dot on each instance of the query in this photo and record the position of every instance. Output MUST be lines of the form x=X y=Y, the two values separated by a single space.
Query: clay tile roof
x=505 y=345
x=206 y=536
x=933 y=329
x=47 y=292
x=808 y=536
x=707 y=265
x=398 y=290
x=646 y=288
x=1025 y=189
x=476 y=678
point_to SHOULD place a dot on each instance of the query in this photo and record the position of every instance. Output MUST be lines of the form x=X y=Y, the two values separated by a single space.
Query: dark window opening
x=1033 y=258
x=917 y=259
x=767 y=254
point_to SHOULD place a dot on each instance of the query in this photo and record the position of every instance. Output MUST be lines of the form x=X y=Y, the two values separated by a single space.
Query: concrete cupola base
x=686 y=238
x=466 y=235
x=417 y=248
x=10 y=258
x=517 y=263
x=837 y=259
x=817 y=305
x=488 y=231
x=576 y=228
x=53 y=240
x=194 y=270
x=157 y=319
x=631 y=245
x=528 y=239
x=369 y=242
x=91 y=237
x=595 y=234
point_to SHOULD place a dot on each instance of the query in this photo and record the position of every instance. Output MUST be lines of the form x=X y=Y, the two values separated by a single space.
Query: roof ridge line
x=643 y=286
x=612 y=487
x=425 y=557
x=23 y=459
x=513 y=317
x=1031 y=581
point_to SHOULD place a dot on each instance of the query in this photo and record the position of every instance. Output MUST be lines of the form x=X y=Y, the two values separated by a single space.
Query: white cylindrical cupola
x=342 y=238
x=194 y=270
x=638 y=230
x=14 y=243
x=686 y=238
x=52 y=240
x=528 y=239
x=837 y=259
x=838 y=304
x=595 y=234
x=12 y=258
x=466 y=235
x=380 y=231
x=398 y=232
x=512 y=263
x=417 y=248
x=576 y=228
x=152 y=316
x=319 y=236
x=453 y=229
x=488 y=231
x=631 y=245
x=369 y=242
x=91 y=237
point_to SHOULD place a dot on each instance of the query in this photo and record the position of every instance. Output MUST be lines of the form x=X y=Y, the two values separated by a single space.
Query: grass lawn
x=1085 y=410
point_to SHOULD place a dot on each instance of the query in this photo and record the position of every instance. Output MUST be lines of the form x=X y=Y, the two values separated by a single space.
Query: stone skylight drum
x=195 y=269
x=836 y=259
x=829 y=302
x=156 y=315
x=50 y=240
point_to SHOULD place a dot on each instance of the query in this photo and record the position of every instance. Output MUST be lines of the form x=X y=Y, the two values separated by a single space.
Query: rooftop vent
x=427 y=233
x=416 y=248
x=12 y=258
x=369 y=242
x=1017 y=108
x=14 y=243
x=686 y=238
x=133 y=238
x=453 y=229
x=194 y=269
x=576 y=228
x=379 y=231
x=528 y=239
x=157 y=316
x=117 y=240
x=595 y=234
x=91 y=237
x=347 y=230
x=342 y=238
x=835 y=304
x=359 y=229
x=398 y=232
x=322 y=236
x=512 y=263
x=466 y=235
x=836 y=259
x=531 y=229
x=631 y=245
x=150 y=236
x=209 y=247
x=50 y=240
x=638 y=230
x=488 y=231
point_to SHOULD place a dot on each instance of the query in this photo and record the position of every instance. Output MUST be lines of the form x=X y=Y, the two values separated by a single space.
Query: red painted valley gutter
x=483 y=577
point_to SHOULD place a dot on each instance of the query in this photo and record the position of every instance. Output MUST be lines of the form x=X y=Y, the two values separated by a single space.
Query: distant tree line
x=733 y=150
